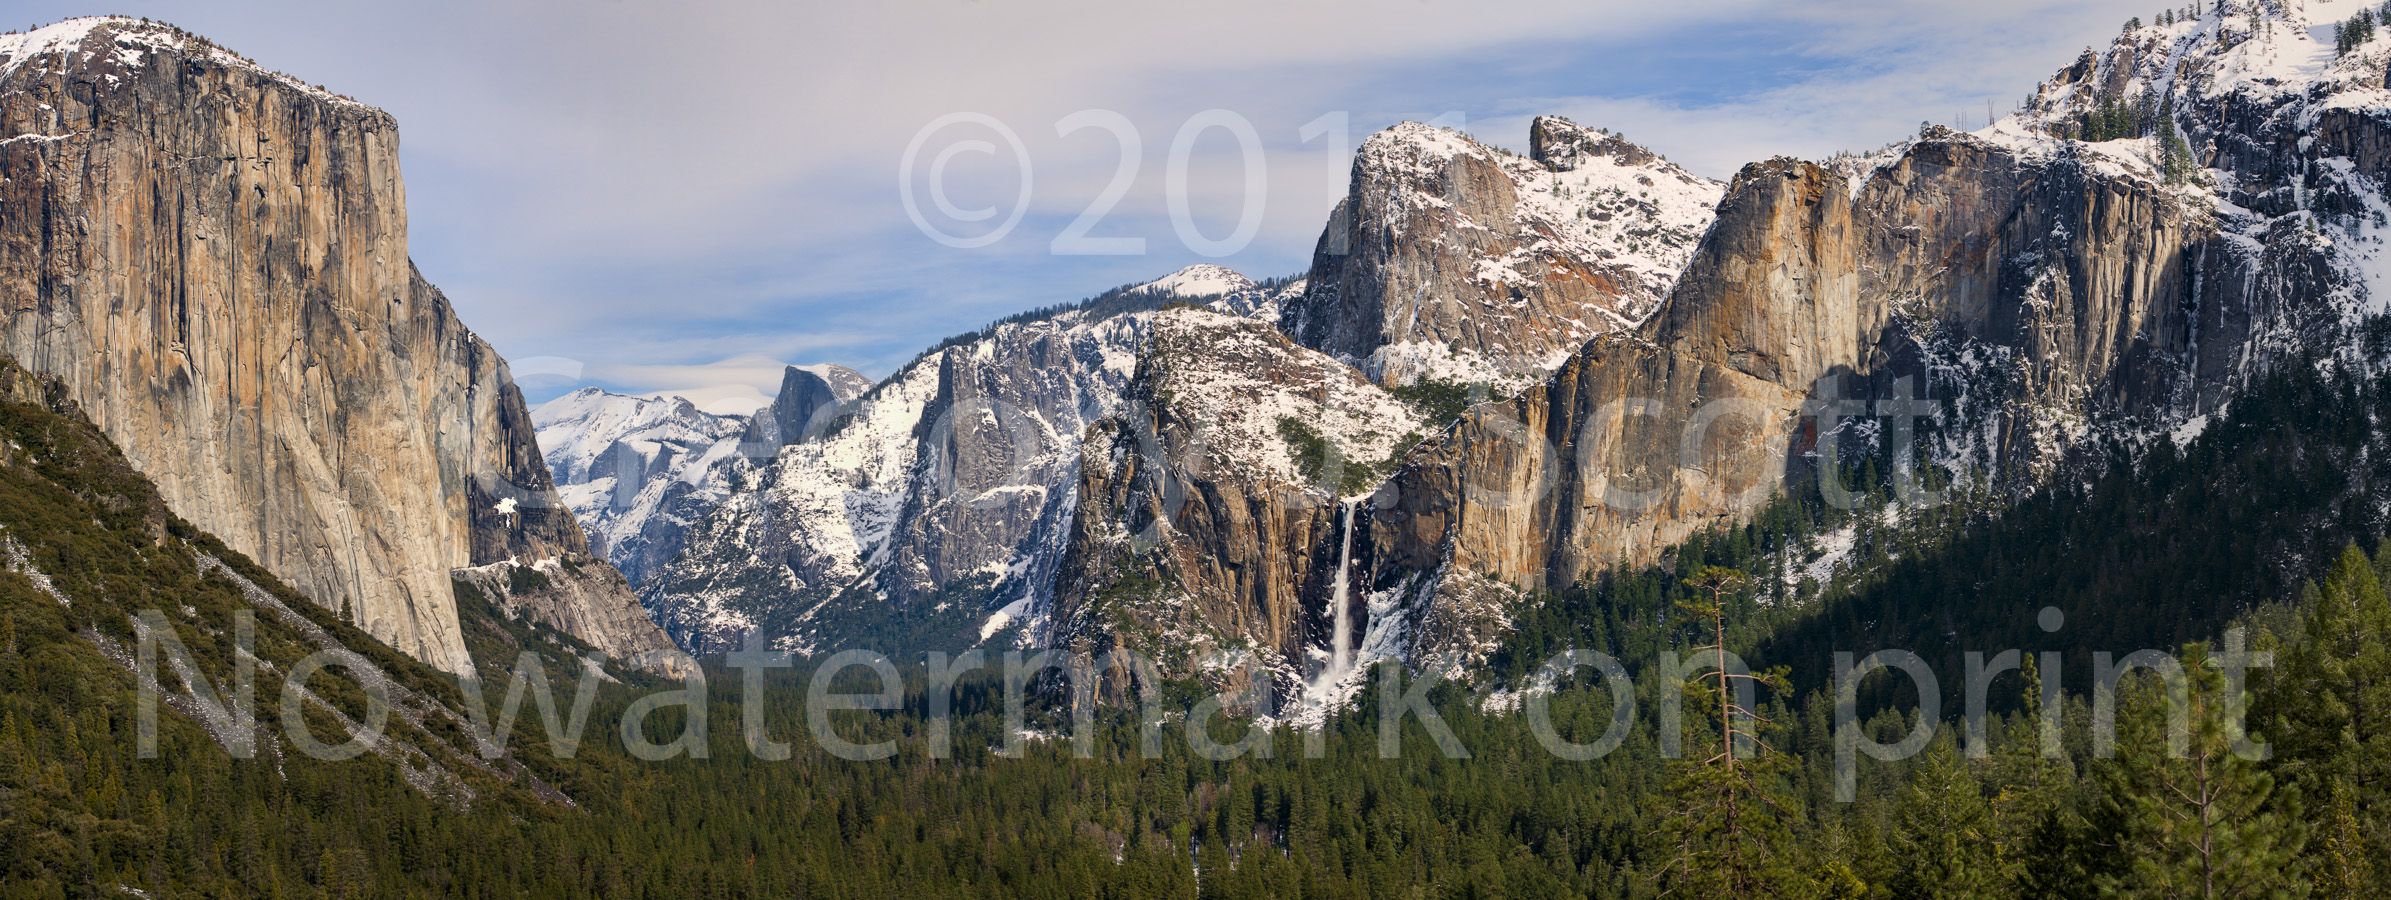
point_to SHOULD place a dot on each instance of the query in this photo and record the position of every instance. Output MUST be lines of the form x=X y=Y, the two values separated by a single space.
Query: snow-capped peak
x=575 y=429
x=2264 y=50
x=627 y=465
x=845 y=383
x=127 y=43
x=1200 y=280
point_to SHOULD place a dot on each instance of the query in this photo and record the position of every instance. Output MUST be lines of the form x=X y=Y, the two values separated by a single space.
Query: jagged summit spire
x=1454 y=260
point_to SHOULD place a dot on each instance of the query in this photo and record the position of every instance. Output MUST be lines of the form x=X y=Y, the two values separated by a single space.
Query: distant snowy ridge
x=635 y=469
x=1200 y=280
x=958 y=472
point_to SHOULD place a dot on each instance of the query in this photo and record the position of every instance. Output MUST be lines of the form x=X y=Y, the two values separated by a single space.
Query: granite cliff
x=1217 y=503
x=1462 y=262
x=2065 y=286
x=935 y=506
x=212 y=258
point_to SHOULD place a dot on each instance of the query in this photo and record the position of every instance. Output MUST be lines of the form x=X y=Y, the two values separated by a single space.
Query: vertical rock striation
x=810 y=396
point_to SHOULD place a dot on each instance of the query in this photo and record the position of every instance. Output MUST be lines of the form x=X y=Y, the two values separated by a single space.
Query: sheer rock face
x=1696 y=420
x=2058 y=299
x=213 y=259
x=942 y=497
x=809 y=397
x=1456 y=260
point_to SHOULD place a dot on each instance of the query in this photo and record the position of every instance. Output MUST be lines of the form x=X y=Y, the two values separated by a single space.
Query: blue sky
x=683 y=197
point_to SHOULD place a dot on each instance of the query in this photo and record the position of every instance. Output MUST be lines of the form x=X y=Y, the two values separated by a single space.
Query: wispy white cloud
x=735 y=385
x=683 y=196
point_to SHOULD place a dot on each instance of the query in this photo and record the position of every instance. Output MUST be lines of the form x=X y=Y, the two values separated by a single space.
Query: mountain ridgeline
x=1567 y=362
x=639 y=471
x=939 y=502
x=1660 y=355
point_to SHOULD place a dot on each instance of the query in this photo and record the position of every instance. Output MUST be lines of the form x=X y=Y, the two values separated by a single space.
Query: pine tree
x=2210 y=825
x=2031 y=800
x=2175 y=159
x=2332 y=704
x=1945 y=831
x=2344 y=859
x=2328 y=707
x=1729 y=831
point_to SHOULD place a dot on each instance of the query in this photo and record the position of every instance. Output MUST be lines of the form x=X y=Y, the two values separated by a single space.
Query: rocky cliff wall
x=2057 y=298
x=1459 y=261
x=1215 y=501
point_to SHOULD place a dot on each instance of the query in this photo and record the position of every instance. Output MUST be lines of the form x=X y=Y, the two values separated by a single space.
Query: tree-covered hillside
x=2231 y=528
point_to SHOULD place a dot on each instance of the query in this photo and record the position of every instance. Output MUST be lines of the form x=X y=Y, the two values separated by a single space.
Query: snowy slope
x=1242 y=381
x=130 y=42
x=2265 y=123
x=1200 y=280
x=636 y=470
x=1455 y=260
x=951 y=485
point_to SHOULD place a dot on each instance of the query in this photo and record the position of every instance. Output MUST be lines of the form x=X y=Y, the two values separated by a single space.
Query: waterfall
x=1340 y=659
x=1316 y=698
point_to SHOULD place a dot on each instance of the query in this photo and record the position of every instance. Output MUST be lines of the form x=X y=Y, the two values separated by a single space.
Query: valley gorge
x=1944 y=519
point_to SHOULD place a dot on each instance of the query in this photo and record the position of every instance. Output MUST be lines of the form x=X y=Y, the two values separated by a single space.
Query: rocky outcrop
x=809 y=400
x=1455 y=260
x=936 y=506
x=1216 y=502
x=957 y=468
x=577 y=597
x=213 y=259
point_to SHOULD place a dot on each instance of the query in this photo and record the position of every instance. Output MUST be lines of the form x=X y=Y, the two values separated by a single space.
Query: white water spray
x=1317 y=694
x=1340 y=660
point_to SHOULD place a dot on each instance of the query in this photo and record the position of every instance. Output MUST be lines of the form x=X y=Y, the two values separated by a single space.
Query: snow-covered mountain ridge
x=950 y=484
x=2164 y=220
x=1454 y=260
